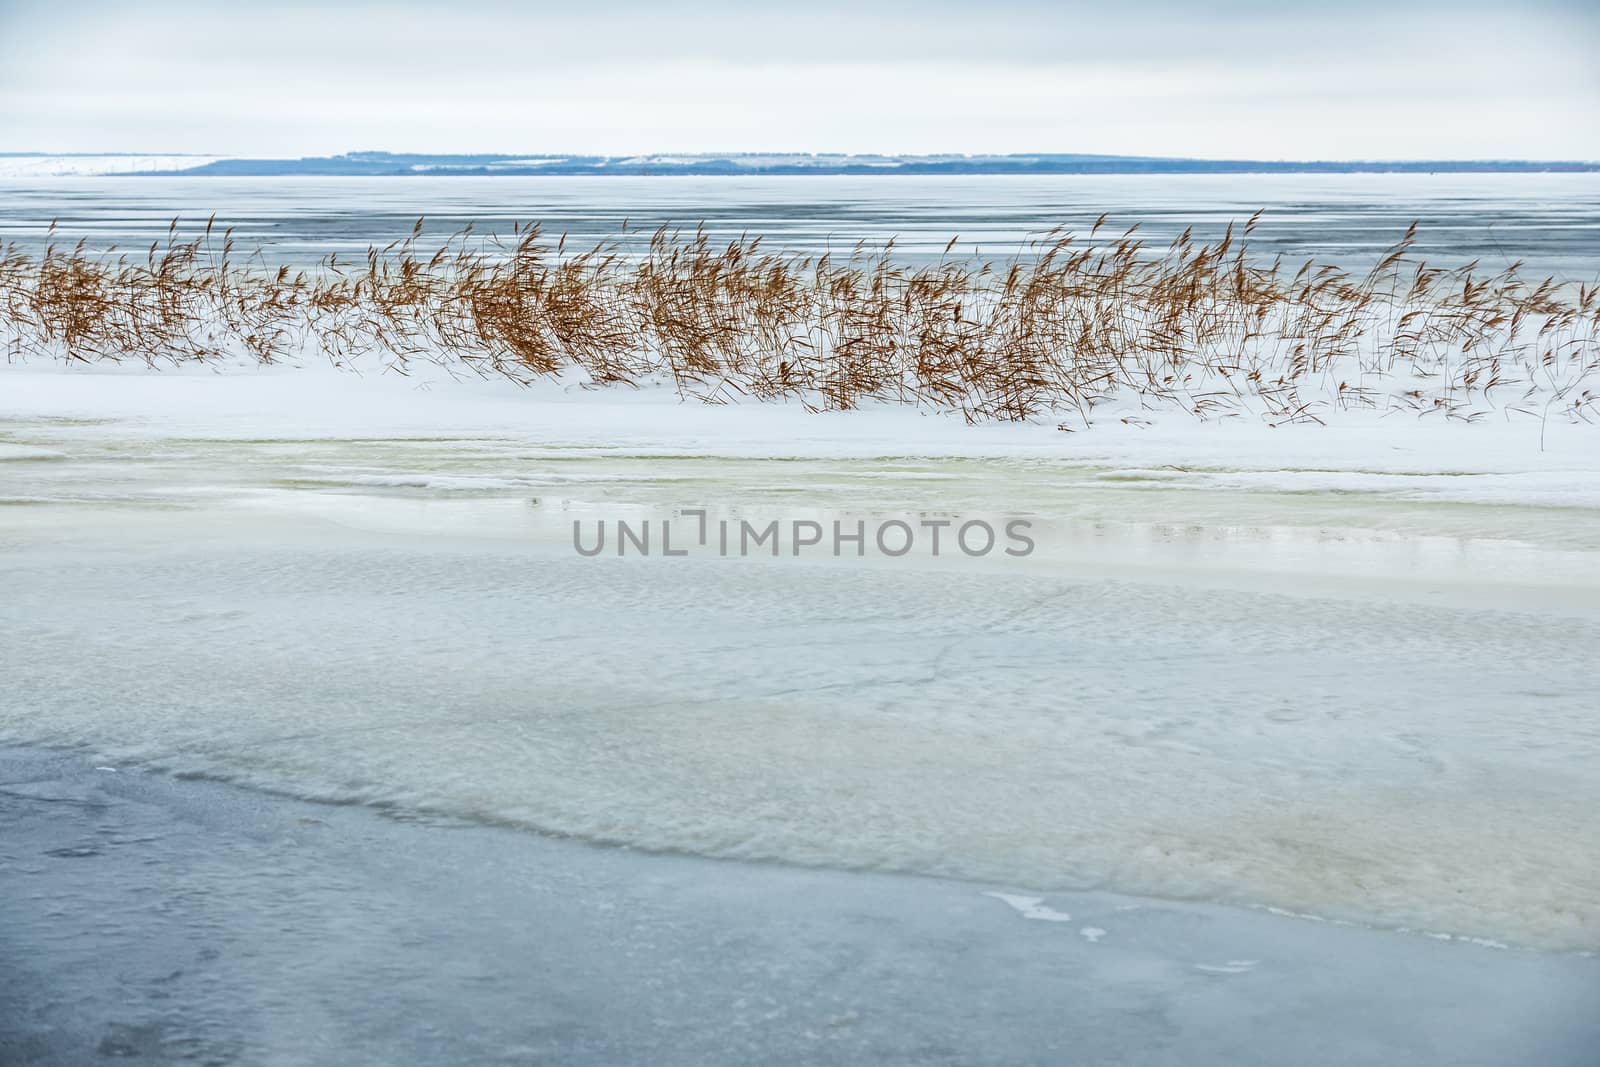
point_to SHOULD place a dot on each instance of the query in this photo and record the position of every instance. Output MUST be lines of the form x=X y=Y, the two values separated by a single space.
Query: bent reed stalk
x=1063 y=329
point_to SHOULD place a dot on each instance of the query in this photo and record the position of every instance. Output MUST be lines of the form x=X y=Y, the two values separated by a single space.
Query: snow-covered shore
x=1513 y=458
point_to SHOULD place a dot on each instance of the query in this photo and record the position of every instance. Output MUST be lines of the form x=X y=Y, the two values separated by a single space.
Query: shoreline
x=198 y=921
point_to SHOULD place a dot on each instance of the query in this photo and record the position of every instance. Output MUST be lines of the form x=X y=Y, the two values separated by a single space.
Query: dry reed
x=1060 y=330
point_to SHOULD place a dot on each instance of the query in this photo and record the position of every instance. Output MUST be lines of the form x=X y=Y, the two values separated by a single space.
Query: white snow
x=1031 y=907
x=1499 y=461
x=1231 y=967
x=81 y=166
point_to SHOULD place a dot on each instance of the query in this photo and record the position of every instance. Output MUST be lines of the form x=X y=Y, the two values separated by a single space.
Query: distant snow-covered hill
x=374 y=164
x=68 y=166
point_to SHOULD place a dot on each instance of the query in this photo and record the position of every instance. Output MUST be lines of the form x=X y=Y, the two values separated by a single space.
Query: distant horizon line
x=758 y=153
x=383 y=163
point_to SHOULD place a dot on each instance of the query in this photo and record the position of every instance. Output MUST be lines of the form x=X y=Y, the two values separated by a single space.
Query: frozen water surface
x=1331 y=688
x=191 y=922
x=1547 y=221
x=1356 y=689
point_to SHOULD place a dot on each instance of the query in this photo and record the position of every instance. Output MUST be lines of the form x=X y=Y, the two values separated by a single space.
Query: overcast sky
x=1246 y=78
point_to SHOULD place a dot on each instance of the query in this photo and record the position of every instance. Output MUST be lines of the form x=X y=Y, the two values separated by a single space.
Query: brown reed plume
x=1064 y=327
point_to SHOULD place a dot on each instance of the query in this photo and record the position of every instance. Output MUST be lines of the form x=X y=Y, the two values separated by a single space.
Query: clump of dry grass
x=1063 y=328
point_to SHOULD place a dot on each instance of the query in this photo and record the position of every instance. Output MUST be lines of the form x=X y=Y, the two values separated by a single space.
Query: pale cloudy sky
x=1242 y=78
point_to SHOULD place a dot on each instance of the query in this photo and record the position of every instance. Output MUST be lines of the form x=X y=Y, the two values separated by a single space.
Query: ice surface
x=1546 y=221
x=1342 y=672
x=184 y=922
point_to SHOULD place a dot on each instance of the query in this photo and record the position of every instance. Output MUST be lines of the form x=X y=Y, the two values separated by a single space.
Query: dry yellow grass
x=1061 y=328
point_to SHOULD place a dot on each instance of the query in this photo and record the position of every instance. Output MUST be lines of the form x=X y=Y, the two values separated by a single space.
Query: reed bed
x=1070 y=327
